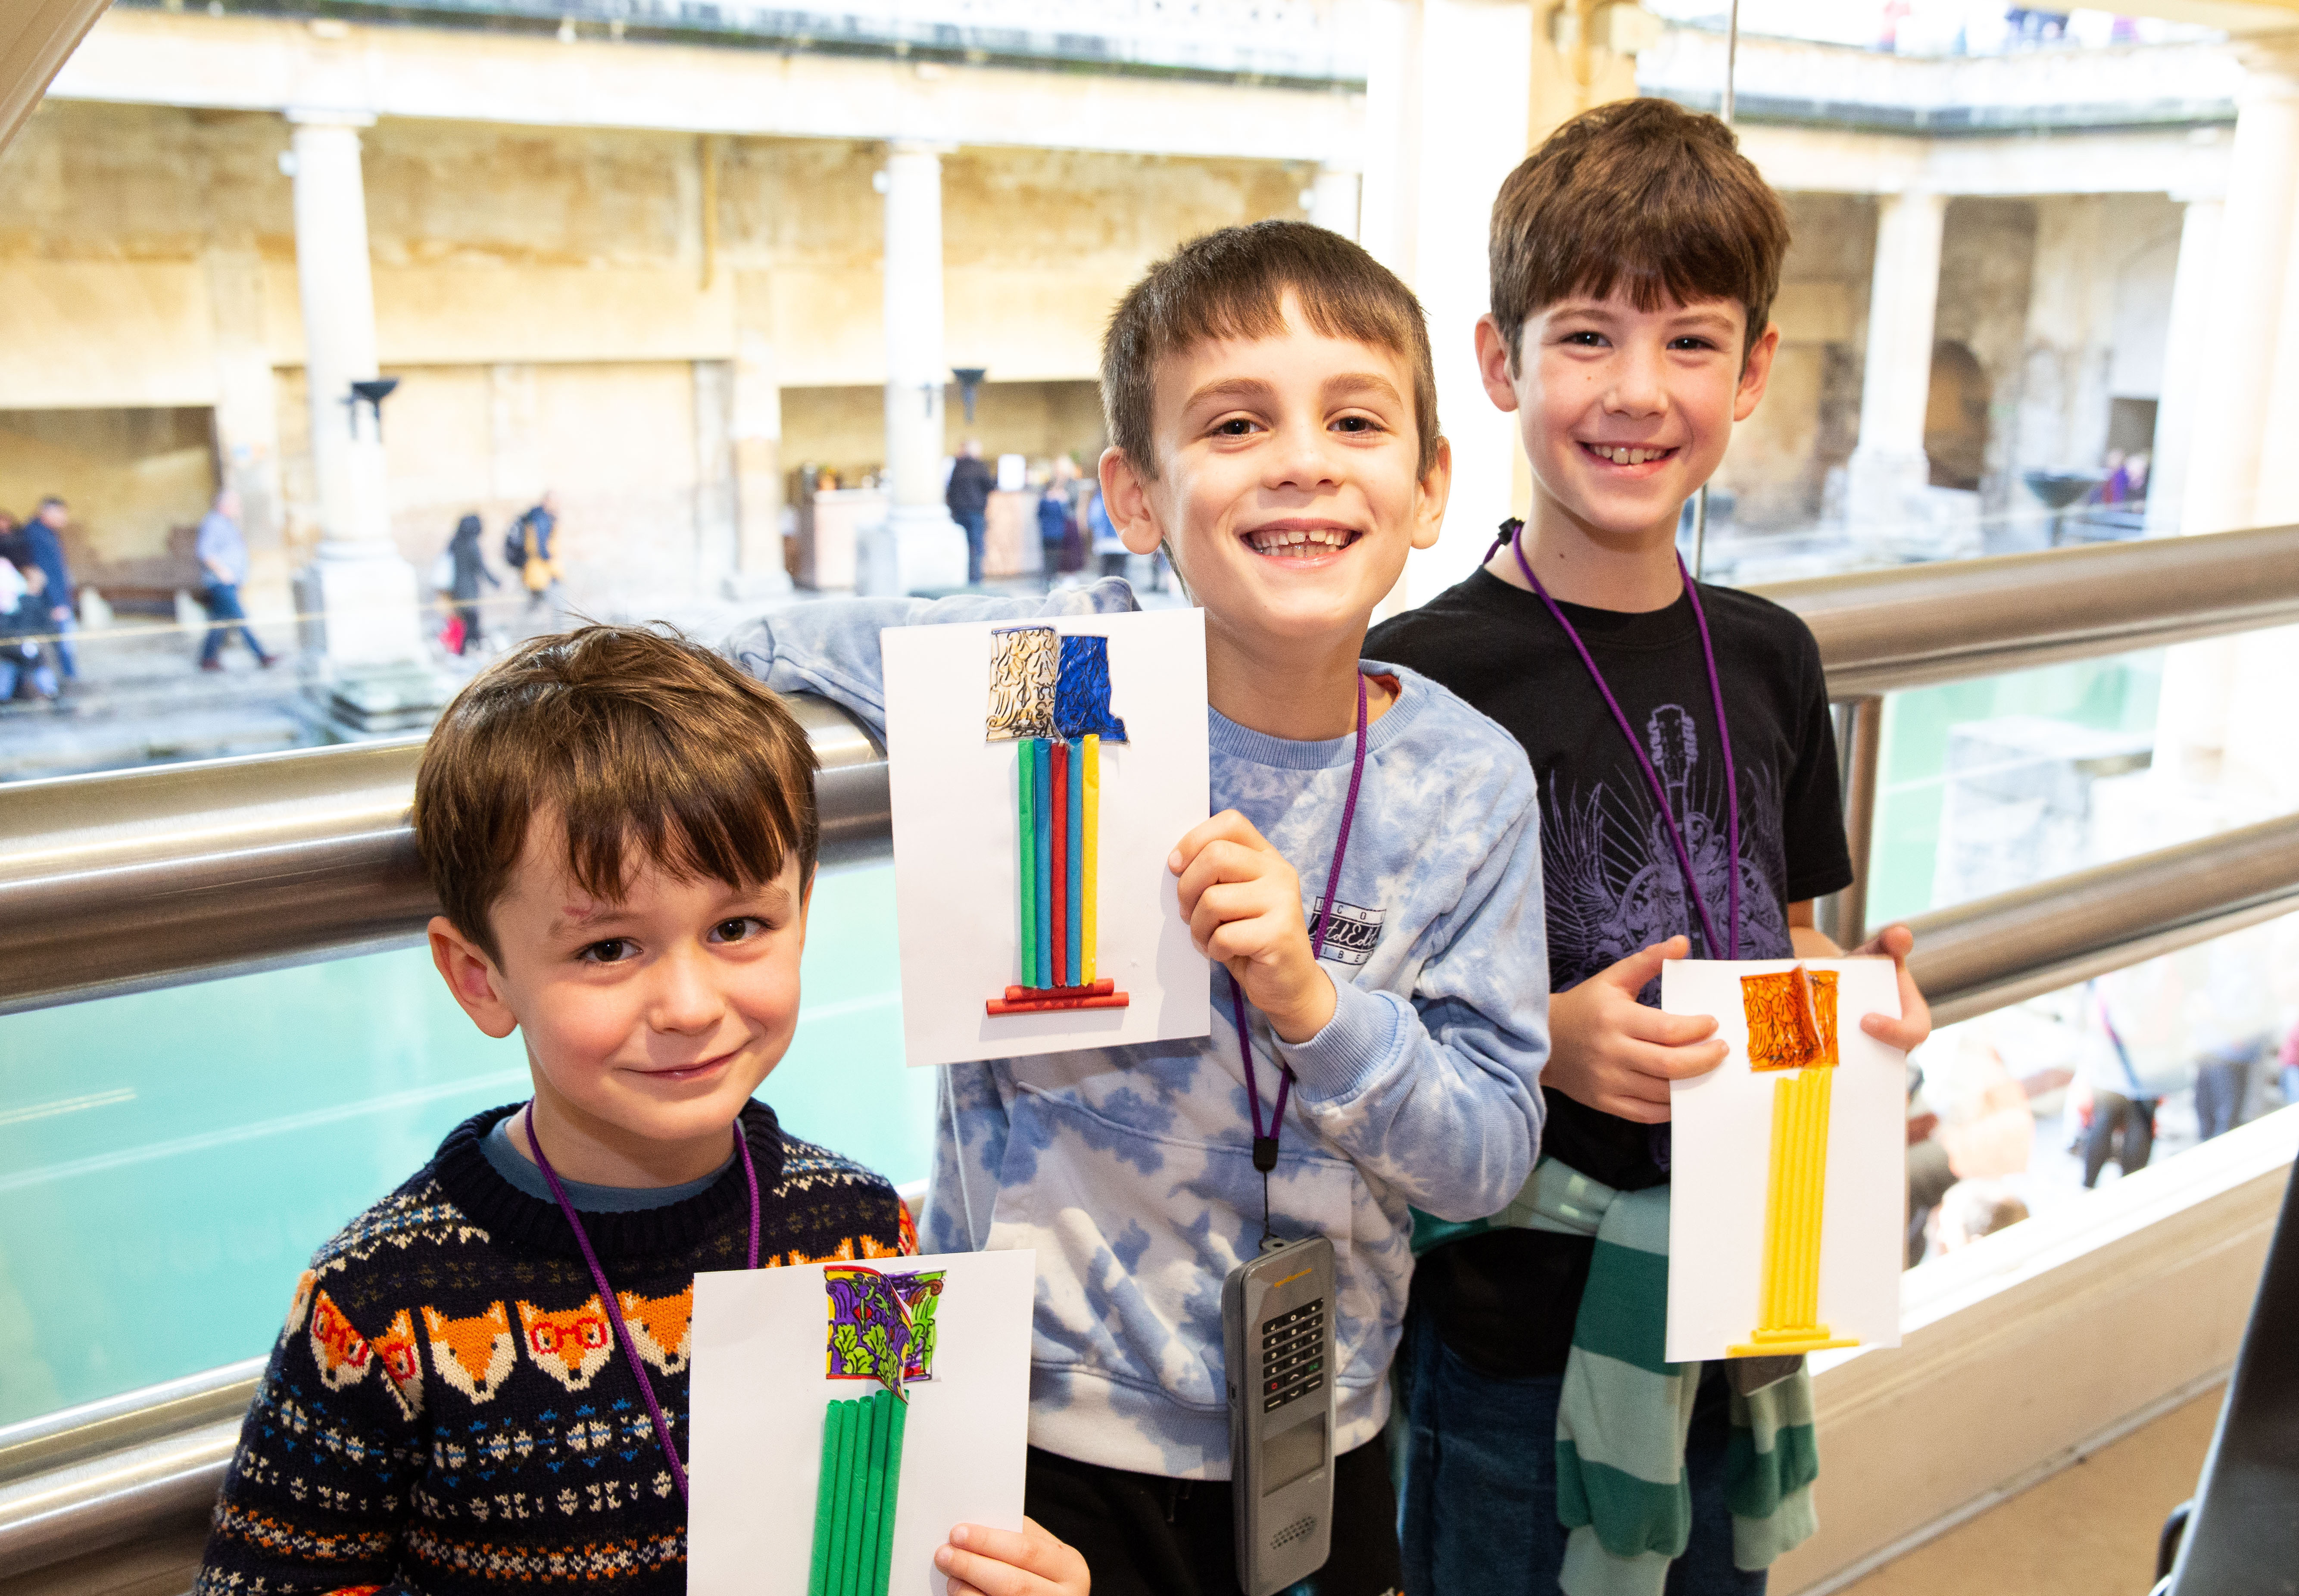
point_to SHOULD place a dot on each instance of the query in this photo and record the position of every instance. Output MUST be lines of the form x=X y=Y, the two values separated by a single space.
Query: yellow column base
x=1780 y=1344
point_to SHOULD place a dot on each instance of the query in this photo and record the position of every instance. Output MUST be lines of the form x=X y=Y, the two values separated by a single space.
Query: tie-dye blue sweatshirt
x=1130 y=1169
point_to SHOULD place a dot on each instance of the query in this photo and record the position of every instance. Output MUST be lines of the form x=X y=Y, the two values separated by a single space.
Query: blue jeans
x=976 y=526
x=16 y=668
x=221 y=601
x=67 y=661
x=1479 y=1509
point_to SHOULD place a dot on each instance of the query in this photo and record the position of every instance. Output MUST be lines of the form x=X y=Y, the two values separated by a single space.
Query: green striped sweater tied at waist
x=1625 y=1410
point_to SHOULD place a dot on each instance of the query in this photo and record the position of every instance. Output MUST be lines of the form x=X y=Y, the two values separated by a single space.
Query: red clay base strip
x=1039 y=1005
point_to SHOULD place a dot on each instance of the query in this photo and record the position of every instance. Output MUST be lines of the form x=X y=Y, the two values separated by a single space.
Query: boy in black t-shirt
x=1634 y=258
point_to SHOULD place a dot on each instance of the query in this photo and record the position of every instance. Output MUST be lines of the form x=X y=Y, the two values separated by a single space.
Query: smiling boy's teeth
x=1308 y=540
x=1621 y=455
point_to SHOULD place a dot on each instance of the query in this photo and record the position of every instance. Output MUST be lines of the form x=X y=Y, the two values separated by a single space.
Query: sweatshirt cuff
x=1340 y=1060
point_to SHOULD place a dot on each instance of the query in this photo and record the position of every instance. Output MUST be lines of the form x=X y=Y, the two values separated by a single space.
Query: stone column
x=2245 y=324
x=1333 y=199
x=1447 y=102
x=359 y=590
x=759 y=571
x=2185 y=356
x=1455 y=93
x=2245 y=336
x=1887 y=470
x=918 y=545
x=1387 y=192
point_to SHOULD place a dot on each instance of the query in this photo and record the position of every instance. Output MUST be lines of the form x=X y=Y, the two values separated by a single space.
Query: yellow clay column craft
x=1792 y=1028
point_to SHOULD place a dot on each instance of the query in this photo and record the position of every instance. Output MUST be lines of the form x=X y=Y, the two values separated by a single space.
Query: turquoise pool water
x=169 y=1160
x=2116 y=693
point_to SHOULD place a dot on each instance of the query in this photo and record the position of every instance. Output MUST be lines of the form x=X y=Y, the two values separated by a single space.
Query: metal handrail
x=1881 y=630
x=142 y=878
x=1998 y=951
x=96 y=1476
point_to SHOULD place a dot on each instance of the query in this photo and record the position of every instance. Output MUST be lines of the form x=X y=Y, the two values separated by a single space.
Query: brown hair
x=627 y=737
x=1641 y=194
x=1231 y=284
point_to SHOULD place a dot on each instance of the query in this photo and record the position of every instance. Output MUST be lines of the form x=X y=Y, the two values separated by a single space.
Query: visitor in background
x=2116 y=1091
x=537 y=560
x=471 y=569
x=968 y=498
x=2288 y=1059
x=2223 y=1080
x=43 y=537
x=12 y=540
x=1054 y=523
x=2229 y=1027
x=23 y=619
x=222 y=555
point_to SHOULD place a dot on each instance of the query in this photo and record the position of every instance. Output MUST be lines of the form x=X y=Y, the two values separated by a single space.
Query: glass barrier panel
x=2037 y=1105
x=169 y=1160
x=1988 y=785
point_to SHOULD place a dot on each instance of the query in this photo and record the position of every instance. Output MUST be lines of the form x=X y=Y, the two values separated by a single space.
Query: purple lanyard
x=607 y=1295
x=1264 y=1146
x=1660 y=793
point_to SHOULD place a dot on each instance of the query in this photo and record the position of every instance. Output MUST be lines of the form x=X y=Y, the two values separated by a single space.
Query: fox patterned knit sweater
x=447 y=1411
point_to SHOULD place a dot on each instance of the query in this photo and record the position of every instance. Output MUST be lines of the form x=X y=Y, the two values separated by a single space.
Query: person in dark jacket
x=470 y=570
x=540 y=568
x=45 y=547
x=968 y=498
x=1055 y=523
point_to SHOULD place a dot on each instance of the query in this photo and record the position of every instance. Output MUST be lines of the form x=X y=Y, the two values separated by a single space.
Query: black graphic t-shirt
x=1505 y=1301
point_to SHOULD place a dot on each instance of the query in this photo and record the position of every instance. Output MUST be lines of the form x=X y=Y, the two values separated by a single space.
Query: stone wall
x=554 y=301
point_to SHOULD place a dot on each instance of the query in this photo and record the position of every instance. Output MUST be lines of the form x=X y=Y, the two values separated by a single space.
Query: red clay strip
x=1042 y=1005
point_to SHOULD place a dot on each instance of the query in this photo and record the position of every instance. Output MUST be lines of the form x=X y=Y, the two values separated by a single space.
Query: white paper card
x=956 y=897
x=759 y=1394
x=1721 y=1167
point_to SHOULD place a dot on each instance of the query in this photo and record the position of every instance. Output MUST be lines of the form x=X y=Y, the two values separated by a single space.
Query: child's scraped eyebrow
x=1231 y=388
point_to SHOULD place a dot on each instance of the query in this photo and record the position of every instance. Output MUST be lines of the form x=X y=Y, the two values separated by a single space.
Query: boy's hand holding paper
x=1906 y=1029
x=995 y=1562
x=1243 y=903
x=1618 y=1056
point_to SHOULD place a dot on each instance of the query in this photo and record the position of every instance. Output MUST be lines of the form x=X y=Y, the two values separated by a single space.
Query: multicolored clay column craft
x=1792 y=1015
x=882 y=1329
x=1050 y=696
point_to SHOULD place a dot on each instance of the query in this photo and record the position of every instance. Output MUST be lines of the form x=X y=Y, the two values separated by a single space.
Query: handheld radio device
x=1278 y=1341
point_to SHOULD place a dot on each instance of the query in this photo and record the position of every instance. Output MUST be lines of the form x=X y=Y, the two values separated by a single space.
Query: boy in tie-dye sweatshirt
x=1273 y=411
